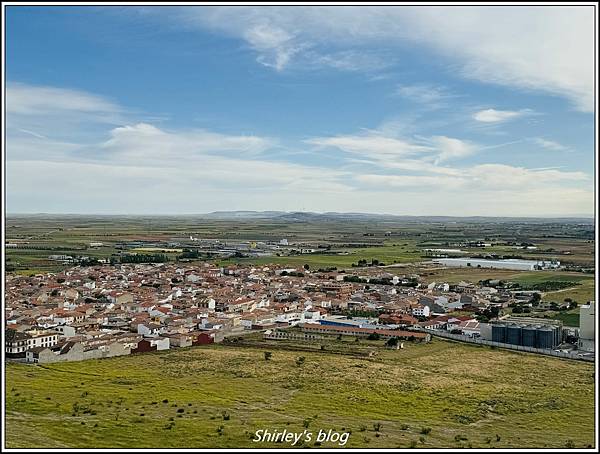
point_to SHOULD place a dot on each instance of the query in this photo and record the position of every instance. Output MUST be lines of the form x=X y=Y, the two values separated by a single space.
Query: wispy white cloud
x=347 y=60
x=274 y=45
x=145 y=141
x=451 y=148
x=424 y=94
x=549 y=144
x=391 y=150
x=371 y=145
x=498 y=116
x=38 y=100
x=544 y=48
x=32 y=133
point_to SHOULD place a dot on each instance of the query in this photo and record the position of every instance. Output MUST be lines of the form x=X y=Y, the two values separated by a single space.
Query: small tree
x=268 y=356
x=392 y=342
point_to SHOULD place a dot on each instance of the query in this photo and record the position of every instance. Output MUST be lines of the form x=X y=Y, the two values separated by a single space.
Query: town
x=103 y=311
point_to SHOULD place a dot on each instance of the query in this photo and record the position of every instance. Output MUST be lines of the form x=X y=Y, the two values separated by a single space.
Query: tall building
x=587 y=327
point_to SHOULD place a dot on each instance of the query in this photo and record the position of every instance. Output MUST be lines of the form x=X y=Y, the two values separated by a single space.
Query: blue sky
x=417 y=111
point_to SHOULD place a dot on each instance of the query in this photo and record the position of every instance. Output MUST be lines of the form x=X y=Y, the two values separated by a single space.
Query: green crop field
x=440 y=394
x=389 y=254
x=582 y=293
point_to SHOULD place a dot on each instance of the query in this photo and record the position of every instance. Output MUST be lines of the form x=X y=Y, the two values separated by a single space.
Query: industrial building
x=547 y=336
x=508 y=264
x=586 y=327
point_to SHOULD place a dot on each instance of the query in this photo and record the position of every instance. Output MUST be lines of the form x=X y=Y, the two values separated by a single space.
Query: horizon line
x=549 y=216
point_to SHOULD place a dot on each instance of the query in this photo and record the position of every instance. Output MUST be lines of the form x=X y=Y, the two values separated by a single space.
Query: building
x=547 y=336
x=18 y=343
x=509 y=264
x=15 y=344
x=364 y=332
x=421 y=311
x=587 y=327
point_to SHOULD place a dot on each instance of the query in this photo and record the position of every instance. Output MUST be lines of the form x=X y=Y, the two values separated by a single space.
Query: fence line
x=522 y=348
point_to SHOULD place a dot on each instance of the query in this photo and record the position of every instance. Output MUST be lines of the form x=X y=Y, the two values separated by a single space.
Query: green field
x=219 y=396
x=388 y=254
x=582 y=293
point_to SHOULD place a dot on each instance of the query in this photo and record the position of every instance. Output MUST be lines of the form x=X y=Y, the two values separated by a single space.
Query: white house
x=148 y=329
x=421 y=311
x=162 y=343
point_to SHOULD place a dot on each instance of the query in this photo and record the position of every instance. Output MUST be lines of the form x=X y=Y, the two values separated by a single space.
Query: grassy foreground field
x=219 y=396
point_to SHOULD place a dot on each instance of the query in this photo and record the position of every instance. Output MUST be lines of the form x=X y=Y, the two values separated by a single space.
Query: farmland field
x=440 y=394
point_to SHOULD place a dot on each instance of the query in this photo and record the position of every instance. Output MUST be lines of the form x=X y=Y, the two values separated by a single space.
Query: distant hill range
x=303 y=216
x=310 y=217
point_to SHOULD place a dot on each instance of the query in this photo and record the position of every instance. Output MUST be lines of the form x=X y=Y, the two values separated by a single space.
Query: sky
x=430 y=110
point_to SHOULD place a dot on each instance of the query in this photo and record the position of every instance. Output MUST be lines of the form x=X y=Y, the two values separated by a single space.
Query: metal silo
x=513 y=334
x=529 y=336
x=545 y=336
x=499 y=333
x=557 y=336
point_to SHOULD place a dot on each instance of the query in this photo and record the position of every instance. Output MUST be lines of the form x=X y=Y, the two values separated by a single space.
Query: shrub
x=377 y=427
x=268 y=355
x=425 y=430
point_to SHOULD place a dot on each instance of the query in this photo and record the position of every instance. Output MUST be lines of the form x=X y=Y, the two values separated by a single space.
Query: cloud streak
x=546 y=48
x=499 y=116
